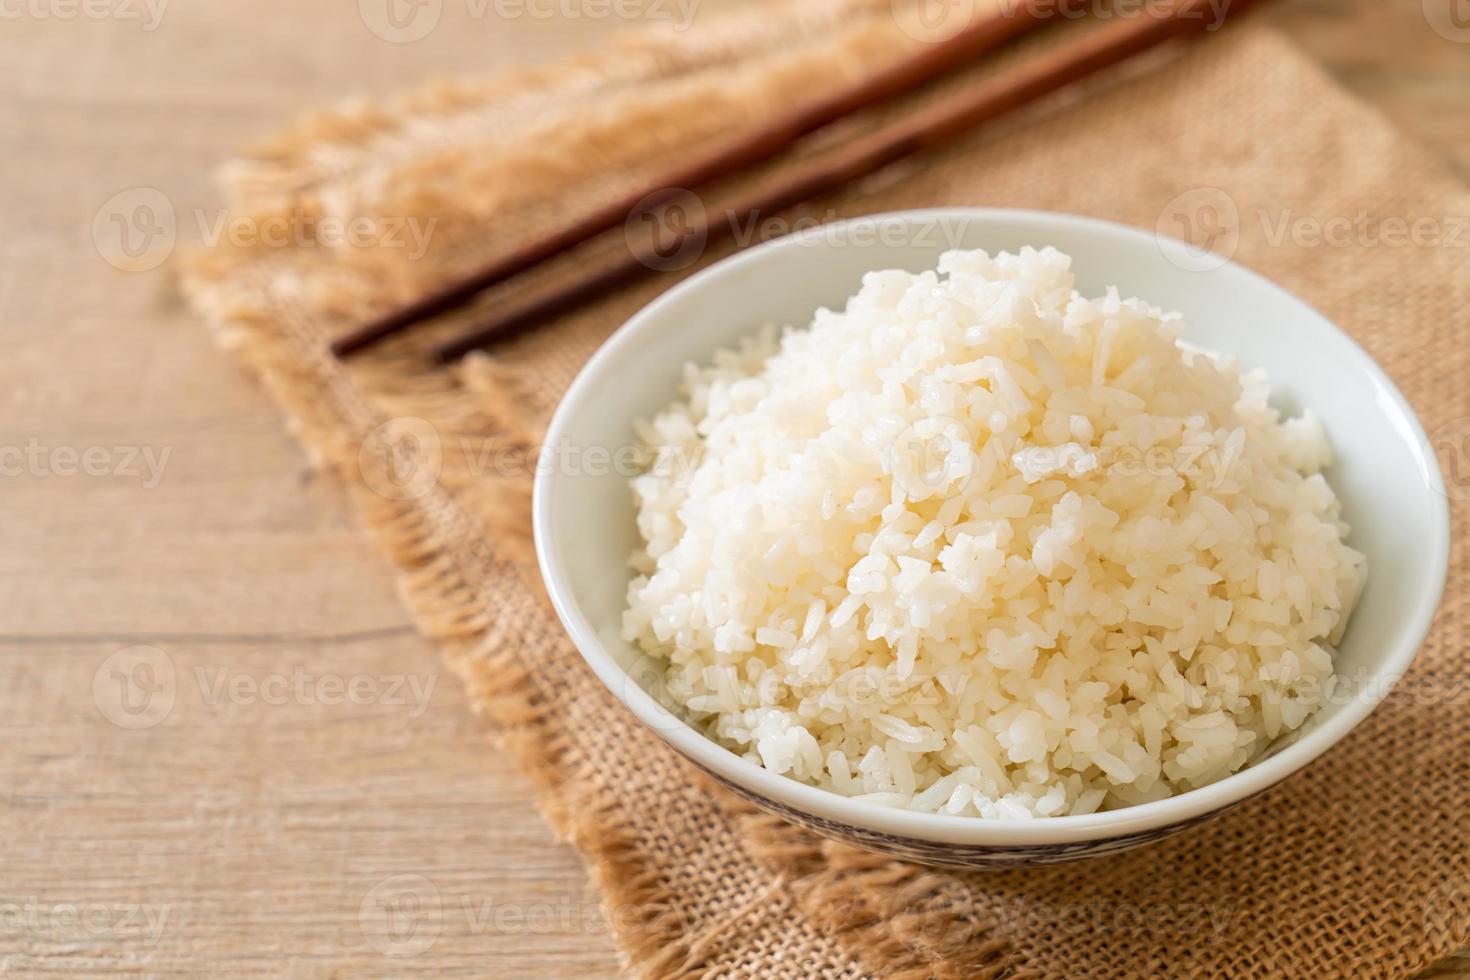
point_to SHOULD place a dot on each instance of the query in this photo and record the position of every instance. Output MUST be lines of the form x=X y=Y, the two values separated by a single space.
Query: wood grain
x=268 y=823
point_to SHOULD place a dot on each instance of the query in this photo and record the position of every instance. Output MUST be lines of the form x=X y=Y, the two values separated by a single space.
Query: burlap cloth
x=1359 y=865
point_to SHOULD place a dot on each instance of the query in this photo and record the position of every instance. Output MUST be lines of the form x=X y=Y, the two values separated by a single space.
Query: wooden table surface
x=221 y=742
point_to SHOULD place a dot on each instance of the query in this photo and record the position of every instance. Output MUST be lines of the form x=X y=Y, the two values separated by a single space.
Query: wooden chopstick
x=1101 y=48
x=1009 y=19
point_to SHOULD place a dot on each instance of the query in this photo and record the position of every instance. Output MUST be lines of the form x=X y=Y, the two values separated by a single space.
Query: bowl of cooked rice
x=989 y=538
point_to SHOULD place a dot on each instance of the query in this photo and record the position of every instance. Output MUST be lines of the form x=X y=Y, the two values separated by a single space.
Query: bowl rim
x=969 y=830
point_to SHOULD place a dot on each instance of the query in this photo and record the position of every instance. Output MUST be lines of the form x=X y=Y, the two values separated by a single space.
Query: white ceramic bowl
x=1385 y=474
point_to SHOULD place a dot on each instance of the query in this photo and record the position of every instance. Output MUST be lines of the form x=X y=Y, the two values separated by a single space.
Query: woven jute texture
x=1359 y=866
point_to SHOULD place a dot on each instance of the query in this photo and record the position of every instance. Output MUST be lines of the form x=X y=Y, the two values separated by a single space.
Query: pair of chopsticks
x=1129 y=34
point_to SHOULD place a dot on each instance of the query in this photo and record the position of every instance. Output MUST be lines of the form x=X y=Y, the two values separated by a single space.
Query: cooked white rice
x=979 y=545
